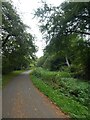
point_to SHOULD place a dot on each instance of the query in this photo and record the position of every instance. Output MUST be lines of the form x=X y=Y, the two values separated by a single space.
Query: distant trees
x=67 y=32
x=17 y=45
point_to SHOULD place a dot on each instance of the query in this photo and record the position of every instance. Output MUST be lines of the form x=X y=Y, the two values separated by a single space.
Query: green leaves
x=17 y=45
x=63 y=82
x=66 y=28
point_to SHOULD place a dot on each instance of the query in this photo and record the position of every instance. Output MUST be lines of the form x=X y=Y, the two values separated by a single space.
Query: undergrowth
x=71 y=95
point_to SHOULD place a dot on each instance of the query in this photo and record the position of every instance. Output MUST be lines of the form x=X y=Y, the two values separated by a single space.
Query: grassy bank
x=58 y=86
x=8 y=77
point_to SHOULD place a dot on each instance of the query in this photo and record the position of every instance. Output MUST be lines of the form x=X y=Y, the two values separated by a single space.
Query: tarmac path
x=21 y=99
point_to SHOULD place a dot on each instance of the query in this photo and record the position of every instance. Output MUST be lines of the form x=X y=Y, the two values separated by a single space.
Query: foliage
x=63 y=82
x=66 y=29
x=65 y=19
x=40 y=61
x=53 y=62
x=67 y=104
x=17 y=45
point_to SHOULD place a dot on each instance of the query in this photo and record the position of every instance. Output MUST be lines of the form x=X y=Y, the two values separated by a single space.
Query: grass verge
x=8 y=77
x=64 y=83
x=68 y=105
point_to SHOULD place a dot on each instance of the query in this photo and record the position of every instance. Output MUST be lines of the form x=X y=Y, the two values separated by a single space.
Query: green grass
x=63 y=82
x=47 y=82
x=8 y=77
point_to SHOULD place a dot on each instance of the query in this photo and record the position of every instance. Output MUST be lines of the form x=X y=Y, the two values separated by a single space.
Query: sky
x=25 y=9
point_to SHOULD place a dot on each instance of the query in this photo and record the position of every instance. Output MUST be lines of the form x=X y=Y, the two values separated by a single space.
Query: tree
x=18 y=48
x=66 y=29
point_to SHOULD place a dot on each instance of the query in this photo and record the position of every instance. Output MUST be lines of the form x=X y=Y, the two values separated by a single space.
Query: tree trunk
x=67 y=61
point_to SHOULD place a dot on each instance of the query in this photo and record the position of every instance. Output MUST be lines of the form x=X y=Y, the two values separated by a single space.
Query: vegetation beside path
x=57 y=88
x=8 y=77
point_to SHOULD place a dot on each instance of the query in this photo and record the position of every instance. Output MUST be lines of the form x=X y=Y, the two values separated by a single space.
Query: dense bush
x=51 y=62
x=63 y=82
